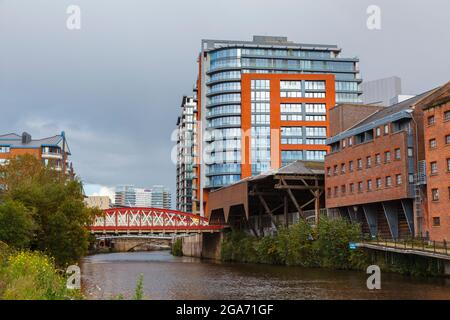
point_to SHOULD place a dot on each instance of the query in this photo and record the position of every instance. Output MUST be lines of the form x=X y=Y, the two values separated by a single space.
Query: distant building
x=143 y=197
x=125 y=196
x=100 y=202
x=53 y=151
x=437 y=162
x=381 y=91
x=130 y=196
x=400 y=98
x=161 y=197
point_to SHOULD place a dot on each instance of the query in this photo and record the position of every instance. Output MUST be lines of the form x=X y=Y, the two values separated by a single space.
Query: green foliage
x=32 y=276
x=299 y=245
x=16 y=224
x=177 y=248
x=56 y=201
x=139 y=290
x=332 y=243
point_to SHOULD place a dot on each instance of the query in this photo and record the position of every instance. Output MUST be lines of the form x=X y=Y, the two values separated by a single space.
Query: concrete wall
x=205 y=245
x=192 y=245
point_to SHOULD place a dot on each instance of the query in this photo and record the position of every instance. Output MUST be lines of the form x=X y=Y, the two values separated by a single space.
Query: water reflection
x=104 y=276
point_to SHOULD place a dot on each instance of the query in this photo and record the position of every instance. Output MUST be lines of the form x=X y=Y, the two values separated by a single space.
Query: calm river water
x=166 y=277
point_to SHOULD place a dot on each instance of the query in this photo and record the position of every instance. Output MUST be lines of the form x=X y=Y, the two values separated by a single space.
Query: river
x=104 y=276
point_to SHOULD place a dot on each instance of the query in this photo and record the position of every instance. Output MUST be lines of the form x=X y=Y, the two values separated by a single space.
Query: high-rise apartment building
x=264 y=103
x=53 y=151
x=125 y=196
x=161 y=197
x=155 y=197
x=186 y=137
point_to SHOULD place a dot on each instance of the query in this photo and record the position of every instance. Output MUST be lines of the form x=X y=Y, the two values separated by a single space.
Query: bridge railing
x=413 y=243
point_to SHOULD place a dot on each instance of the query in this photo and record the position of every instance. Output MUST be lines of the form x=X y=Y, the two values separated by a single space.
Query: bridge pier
x=203 y=245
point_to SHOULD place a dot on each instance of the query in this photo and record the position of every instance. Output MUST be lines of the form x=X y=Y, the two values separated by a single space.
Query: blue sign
x=352 y=246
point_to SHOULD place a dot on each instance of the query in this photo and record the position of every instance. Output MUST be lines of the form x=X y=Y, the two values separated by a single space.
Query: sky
x=115 y=85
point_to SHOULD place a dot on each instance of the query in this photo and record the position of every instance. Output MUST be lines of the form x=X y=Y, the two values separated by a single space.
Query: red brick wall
x=441 y=180
x=379 y=145
x=344 y=116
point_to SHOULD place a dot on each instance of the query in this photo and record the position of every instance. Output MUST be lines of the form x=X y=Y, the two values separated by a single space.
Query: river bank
x=169 y=277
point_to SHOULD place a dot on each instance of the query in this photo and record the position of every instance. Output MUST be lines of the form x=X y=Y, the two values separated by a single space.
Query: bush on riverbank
x=177 y=248
x=43 y=210
x=299 y=245
x=26 y=275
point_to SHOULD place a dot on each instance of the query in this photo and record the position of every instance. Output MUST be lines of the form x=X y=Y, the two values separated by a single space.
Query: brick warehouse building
x=373 y=172
x=53 y=151
x=437 y=157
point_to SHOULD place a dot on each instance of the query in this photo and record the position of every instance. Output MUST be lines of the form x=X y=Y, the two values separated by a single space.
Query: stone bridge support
x=203 y=245
x=139 y=244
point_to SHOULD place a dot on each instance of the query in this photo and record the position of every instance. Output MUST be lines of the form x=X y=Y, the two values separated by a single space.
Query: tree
x=60 y=214
x=16 y=224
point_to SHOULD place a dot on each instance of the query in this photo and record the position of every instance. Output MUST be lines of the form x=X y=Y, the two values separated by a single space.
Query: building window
x=435 y=194
x=335 y=191
x=448 y=164
x=378 y=131
x=343 y=189
x=4 y=149
x=335 y=171
x=329 y=192
x=350 y=166
x=369 y=185
x=433 y=166
x=432 y=143
x=359 y=164
x=410 y=152
x=352 y=187
x=387 y=156
x=350 y=141
x=328 y=171
x=377 y=159
x=397 y=154
x=360 y=186
x=446 y=115
x=369 y=161
x=436 y=221
x=344 y=143
x=378 y=182
x=342 y=168
x=431 y=120
x=398 y=179
x=388 y=181
x=411 y=178
x=386 y=129
x=447 y=139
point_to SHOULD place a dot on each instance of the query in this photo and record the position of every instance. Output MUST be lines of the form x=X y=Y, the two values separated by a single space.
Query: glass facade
x=223 y=64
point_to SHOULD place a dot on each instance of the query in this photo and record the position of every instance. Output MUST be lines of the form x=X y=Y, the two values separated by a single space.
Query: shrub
x=177 y=247
x=32 y=276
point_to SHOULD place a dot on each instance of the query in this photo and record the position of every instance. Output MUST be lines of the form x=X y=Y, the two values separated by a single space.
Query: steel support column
x=390 y=211
x=371 y=218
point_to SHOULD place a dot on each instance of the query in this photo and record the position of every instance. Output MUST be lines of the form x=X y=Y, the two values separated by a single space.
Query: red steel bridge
x=150 y=220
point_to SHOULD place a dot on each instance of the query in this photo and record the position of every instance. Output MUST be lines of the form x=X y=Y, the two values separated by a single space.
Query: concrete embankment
x=203 y=245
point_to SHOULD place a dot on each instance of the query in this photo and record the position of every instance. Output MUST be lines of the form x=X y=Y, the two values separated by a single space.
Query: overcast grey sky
x=115 y=86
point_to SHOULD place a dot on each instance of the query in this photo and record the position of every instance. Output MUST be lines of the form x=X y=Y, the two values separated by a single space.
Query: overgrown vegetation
x=299 y=245
x=42 y=209
x=27 y=275
x=177 y=248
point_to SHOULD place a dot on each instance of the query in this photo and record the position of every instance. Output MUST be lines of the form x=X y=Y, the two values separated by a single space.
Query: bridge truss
x=150 y=220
